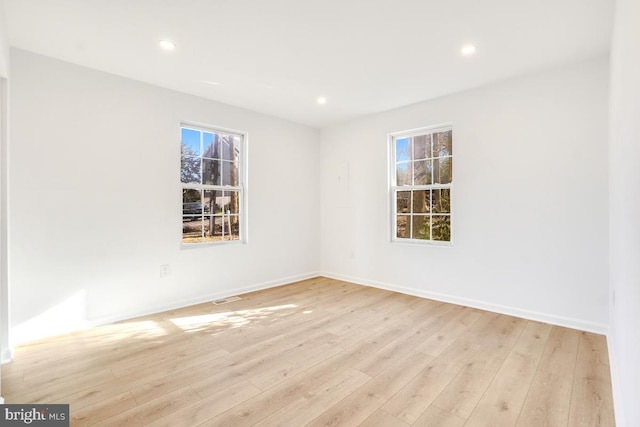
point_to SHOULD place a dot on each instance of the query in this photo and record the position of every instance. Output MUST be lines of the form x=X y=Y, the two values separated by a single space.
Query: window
x=421 y=180
x=211 y=171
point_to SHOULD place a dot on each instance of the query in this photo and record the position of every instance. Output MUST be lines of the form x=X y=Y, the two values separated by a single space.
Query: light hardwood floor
x=321 y=353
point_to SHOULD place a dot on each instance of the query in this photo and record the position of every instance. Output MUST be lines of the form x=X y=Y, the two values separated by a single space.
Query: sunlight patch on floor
x=229 y=318
x=126 y=330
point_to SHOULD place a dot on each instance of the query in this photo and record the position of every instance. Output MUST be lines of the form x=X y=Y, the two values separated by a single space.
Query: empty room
x=329 y=213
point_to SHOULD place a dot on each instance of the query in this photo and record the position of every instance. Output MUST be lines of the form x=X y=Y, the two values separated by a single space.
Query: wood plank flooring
x=320 y=352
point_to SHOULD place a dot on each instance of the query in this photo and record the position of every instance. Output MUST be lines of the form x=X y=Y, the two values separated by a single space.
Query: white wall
x=530 y=199
x=4 y=44
x=95 y=199
x=624 y=173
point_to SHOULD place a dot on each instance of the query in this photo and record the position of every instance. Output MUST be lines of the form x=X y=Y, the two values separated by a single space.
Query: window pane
x=403 y=174
x=422 y=147
x=442 y=170
x=422 y=172
x=232 y=202
x=402 y=227
x=208 y=202
x=192 y=229
x=190 y=195
x=442 y=228
x=421 y=201
x=211 y=172
x=403 y=202
x=230 y=173
x=403 y=149
x=213 y=200
x=233 y=228
x=223 y=199
x=191 y=215
x=190 y=169
x=442 y=144
x=421 y=227
x=442 y=201
x=211 y=145
x=219 y=228
x=228 y=147
x=190 y=141
x=213 y=229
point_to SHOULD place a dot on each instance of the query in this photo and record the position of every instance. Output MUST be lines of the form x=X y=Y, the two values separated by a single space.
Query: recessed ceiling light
x=468 y=49
x=167 y=45
x=212 y=83
x=322 y=100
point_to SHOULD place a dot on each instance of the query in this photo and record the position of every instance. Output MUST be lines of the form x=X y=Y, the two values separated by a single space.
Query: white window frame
x=241 y=188
x=394 y=188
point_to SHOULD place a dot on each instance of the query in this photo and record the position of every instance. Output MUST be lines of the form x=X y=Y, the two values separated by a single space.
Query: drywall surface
x=4 y=44
x=624 y=338
x=529 y=199
x=95 y=200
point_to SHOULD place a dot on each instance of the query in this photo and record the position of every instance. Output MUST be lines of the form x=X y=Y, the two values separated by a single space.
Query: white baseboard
x=6 y=356
x=583 y=325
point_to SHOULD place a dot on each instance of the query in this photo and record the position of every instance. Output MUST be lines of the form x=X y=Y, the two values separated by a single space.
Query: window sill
x=422 y=243
x=211 y=244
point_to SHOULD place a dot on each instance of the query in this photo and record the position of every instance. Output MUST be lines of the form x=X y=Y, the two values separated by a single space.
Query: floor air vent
x=225 y=300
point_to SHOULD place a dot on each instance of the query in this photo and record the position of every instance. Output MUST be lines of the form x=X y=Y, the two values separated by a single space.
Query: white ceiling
x=278 y=56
